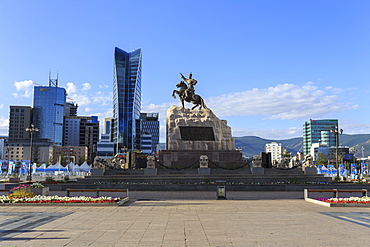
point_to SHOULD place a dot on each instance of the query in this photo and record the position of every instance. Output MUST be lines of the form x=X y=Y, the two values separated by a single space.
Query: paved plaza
x=188 y=219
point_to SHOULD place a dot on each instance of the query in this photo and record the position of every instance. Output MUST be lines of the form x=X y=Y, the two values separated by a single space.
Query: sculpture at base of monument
x=257 y=161
x=294 y=162
x=203 y=161
x=98 y=164
x=187 y=92
x=150 y=162
x=307 y=162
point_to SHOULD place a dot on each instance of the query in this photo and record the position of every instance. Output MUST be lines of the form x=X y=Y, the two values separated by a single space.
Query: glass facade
x=126 y=98
x=48 y=113
x=149 y=125
x=318 y=131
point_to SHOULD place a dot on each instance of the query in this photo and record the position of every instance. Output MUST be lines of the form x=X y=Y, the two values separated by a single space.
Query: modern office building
x=48 y=111
x=126 y=98
x=67 y=154
x=2 y=146
x=105 y=148
x=18 y=147
x=319 y=131
x=70 y=109
x=328 y=151
x=276 y=151
x=107 y=125
x=20 y=118
x=82 y=131
x=42 y=150
x=149 y=129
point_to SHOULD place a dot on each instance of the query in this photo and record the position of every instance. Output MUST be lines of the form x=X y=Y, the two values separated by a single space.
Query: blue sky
x=264 y=66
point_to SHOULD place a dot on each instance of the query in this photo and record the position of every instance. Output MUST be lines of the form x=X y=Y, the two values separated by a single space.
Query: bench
x=335 y=191
x=97 y=191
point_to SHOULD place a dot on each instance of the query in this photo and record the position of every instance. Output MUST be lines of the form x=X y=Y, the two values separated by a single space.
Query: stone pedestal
x=14 y=180
x=41 y=191
x=258 y=170
x=184 y=158
x=97 y=172
x=150 y=171
x=204 y=171
x=309 y=170
x=193 y=133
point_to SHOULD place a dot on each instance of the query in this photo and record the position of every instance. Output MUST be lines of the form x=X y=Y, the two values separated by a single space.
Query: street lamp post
x=32 y=130
x=336 y=133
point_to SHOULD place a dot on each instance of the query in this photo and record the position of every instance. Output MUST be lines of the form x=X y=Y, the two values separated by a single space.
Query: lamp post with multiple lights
x=336 y=132
x=32 y=130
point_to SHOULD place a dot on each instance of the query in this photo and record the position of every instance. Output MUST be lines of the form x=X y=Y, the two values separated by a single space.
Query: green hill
x=253 y=145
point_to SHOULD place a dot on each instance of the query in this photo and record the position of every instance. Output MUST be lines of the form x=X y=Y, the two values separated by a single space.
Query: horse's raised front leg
x=173 y=93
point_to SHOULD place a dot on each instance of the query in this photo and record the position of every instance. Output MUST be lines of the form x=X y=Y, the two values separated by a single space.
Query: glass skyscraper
x=126 y=98
x=318 y=131
x=48 y=112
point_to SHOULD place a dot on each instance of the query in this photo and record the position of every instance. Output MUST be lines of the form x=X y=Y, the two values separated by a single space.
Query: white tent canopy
x=85 y=167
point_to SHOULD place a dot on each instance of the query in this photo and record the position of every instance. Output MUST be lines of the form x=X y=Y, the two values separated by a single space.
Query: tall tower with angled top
x=126 y=99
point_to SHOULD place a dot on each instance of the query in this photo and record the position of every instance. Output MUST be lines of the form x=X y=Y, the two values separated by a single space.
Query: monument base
x=97 y=172
x=185 y=158
x=258 y=170
x=309 y=170
x=150 y=171
x=204 y=171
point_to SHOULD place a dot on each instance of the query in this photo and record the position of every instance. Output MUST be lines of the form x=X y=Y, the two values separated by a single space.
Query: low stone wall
x=209 y=187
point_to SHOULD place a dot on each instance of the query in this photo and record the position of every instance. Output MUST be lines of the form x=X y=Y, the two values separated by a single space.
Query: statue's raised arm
x=190 y=81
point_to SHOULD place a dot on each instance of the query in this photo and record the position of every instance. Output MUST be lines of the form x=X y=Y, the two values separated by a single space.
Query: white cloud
x=25 y=86
x=102 y=99
x=71 y=88
x=4 y=125
x=351 y=127
x=80 y=99
x=1 y=106
x=335 y=90
x=103 y=86
x=284 y=101
x=86 y=86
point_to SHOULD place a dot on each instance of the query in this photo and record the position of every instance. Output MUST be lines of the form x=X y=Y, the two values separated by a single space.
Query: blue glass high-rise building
x=48 y=112
x=318 y=131
x=126 y=99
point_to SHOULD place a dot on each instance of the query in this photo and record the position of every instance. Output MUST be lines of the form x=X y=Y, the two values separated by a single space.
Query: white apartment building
x=276 y=151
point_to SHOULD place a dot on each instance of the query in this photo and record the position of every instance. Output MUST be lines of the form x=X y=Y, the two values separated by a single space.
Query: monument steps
x=198 y=179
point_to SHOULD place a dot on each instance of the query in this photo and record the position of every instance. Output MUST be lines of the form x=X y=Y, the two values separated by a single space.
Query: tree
x=321 y=159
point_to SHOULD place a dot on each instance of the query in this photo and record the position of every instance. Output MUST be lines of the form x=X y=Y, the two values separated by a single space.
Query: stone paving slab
x=189 y=219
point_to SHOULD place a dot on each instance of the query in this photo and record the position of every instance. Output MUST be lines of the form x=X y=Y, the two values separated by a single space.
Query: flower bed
x=59 y=199
x=348 y=200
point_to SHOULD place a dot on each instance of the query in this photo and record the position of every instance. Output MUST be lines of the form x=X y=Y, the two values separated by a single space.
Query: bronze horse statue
x=187 y=94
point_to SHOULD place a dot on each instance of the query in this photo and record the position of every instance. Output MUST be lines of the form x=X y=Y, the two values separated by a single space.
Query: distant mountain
x=253 y=145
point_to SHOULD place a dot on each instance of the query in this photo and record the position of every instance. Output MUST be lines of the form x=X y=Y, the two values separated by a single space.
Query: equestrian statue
x=187 y=92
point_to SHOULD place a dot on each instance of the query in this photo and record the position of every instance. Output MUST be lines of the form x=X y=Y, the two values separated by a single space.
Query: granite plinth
x=150 y=171
x=204 y=171
x=309 y=170
x=185 y=158
x=258 y=170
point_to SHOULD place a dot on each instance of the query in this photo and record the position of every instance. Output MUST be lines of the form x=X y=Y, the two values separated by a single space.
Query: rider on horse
x=190 y=91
